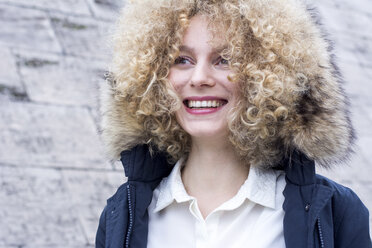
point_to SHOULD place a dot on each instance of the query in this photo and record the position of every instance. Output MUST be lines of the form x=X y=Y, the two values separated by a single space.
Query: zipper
x=320 y=233
x=130 y=226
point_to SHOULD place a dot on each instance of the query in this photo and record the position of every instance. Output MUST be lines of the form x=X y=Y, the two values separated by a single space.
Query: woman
x=242 y=96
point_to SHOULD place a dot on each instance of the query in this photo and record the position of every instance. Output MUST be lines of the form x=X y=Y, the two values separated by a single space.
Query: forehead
x=201 y=32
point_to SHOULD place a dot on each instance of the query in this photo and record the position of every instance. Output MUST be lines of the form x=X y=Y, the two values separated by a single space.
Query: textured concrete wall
x=54 y=178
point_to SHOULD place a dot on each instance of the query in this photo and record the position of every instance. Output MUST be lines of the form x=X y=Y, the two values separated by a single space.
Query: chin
x=207 y=132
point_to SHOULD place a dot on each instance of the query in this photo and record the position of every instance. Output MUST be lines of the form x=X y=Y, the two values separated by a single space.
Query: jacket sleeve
x=352 y=229
x=101 y=231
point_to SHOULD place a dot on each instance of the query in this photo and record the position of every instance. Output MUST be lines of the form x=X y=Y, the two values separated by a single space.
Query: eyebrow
x=187 y=49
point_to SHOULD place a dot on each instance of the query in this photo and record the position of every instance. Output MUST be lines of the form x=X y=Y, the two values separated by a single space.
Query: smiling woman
x=219 y=111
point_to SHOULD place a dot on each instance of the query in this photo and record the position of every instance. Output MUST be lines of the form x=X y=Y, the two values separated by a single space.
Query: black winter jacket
x=319 y=213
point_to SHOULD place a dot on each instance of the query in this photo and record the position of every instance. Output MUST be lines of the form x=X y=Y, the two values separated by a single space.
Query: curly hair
x=273 y=49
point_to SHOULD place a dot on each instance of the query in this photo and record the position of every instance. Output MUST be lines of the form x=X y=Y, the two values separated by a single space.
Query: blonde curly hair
x=281 y=64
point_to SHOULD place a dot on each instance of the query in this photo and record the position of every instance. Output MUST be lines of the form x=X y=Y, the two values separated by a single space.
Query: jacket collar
x=304 y=199
x=144 y=166
x=299 y=169
x=300 y=176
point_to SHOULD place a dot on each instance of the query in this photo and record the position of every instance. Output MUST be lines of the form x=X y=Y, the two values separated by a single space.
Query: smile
x=194 y=104
x=203 y=105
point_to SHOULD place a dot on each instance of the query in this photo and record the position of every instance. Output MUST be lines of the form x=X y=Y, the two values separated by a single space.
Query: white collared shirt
x=252 y=218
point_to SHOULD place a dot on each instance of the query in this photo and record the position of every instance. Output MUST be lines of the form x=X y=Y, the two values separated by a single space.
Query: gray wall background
x=54 y=177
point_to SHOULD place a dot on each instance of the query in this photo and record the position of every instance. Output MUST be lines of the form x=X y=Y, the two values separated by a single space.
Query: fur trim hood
x=316 y=122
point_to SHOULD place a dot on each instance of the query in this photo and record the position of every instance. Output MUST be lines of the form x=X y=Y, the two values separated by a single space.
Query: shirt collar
x=259 y=187
x=172 y=189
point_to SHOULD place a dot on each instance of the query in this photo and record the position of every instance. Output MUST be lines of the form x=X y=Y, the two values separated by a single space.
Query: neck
x=213 y=172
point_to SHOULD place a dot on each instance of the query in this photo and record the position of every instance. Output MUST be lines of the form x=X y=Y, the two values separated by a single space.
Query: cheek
x=234 y=87
x=178 y=115
x=177 y=79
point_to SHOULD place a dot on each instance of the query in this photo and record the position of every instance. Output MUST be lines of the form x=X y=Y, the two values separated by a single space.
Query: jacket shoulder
x=341 y=193
x=343 y=197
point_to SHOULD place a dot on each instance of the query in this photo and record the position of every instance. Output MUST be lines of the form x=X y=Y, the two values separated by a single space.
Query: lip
x=203 y=98
x=203 y=111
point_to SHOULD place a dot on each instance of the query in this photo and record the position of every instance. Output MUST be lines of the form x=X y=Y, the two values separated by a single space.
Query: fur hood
x=317 y=122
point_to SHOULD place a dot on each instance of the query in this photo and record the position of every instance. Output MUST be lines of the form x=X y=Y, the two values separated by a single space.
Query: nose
x=202 y=76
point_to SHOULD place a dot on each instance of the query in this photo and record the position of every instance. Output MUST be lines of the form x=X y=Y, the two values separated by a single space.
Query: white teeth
x=204 y=104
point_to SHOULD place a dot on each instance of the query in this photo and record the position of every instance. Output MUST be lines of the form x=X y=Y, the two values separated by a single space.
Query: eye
x=182 y=61
x=222 y=61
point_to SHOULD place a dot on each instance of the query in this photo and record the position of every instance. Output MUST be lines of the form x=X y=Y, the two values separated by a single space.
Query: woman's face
x=199 y=76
